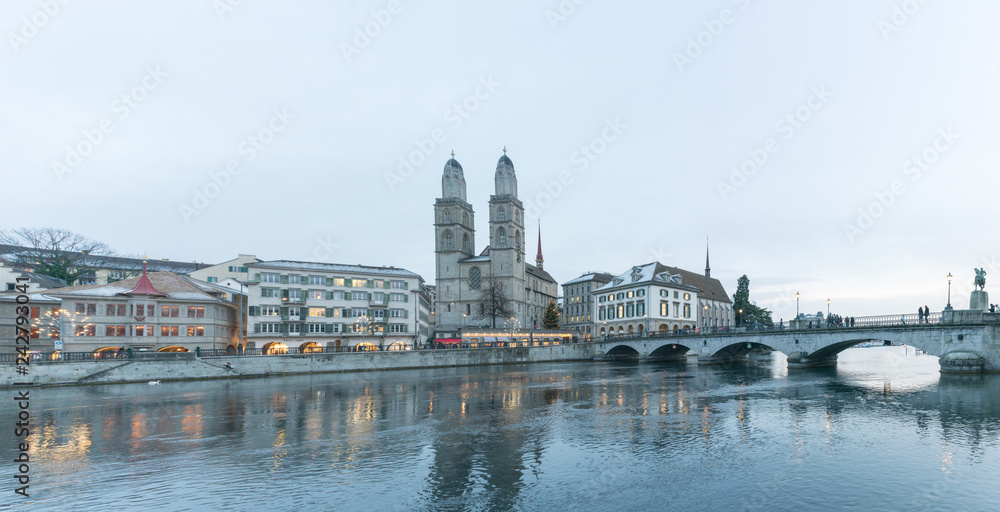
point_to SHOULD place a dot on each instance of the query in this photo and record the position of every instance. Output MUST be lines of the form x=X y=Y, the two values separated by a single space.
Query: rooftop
x=334 y=267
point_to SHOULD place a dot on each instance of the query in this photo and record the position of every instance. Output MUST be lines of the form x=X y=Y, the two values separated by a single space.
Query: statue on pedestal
x=980 y=278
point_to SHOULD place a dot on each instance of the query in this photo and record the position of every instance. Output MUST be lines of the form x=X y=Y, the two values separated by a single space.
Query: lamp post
x=797 y=305
x=740 y=323
x=645 y=325
x=828 y=309
x=949 y=292
x=704 y=317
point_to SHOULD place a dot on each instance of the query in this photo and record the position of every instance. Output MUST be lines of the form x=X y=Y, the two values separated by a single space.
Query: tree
x=750 y=312
x=493 y=302
x=53 y=252
x=550 y=320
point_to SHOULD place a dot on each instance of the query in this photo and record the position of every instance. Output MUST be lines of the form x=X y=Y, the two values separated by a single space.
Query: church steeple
x=505 y=179
x=453 y=180
x=708 y=268
x=539 y=261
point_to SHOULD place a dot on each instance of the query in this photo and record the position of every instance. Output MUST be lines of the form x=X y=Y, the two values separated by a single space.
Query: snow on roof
x=170 y=284
x=32 y=297
x=590 y=276
x=334 y=267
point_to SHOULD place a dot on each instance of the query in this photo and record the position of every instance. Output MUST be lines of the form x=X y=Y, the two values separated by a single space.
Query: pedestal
x=980 y=300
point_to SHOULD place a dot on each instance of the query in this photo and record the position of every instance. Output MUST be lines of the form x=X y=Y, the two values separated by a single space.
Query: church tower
x=507 y=238
x=454 y=240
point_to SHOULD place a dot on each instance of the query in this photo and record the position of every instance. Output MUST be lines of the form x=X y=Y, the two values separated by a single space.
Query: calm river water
x=881 y=431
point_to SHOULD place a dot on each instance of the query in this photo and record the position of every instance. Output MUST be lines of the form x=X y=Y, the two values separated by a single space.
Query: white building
x=235 y=269
x=660 y=298
x=324 y=306
x=578 y=301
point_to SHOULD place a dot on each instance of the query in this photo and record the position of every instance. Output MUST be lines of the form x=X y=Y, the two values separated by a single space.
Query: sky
x=842 y=150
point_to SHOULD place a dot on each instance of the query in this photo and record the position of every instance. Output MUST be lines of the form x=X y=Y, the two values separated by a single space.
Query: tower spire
x=539 y=261
x=708 y=268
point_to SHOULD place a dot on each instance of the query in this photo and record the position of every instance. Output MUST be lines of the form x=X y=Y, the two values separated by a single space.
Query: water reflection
x=531 y=437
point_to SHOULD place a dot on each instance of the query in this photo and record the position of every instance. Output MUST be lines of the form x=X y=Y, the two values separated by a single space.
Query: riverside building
x=325 y=306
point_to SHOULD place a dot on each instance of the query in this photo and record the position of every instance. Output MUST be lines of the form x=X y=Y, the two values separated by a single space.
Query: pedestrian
x=920 y=315
x=927 y=314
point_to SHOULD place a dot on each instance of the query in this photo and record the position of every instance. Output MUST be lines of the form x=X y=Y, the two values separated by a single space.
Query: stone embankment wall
x=98 y=372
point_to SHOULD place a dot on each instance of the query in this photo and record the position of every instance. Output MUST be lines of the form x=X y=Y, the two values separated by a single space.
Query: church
x=463 y=276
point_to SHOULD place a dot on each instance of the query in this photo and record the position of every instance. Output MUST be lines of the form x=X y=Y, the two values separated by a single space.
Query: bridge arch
x=740 y=350
x=622 y=352
x=670 y=352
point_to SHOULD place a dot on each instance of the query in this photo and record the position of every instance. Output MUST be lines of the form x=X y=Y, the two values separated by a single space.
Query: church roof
x=164 y=284
x=453 y=164
x=599 y=277
x=504 y=162
x=539 y=273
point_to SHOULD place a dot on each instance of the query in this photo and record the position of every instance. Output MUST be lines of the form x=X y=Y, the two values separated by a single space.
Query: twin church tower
x=462 y=275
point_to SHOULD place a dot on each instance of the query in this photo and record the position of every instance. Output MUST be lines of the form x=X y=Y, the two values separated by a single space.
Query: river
x=881 y=431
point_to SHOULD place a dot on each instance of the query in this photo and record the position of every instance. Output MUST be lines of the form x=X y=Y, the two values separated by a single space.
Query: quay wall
x=122 y=371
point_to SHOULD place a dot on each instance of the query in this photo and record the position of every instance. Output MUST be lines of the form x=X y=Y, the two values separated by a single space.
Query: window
x=196 y=330
x=86 y=309
x=294 y=328
x=358 y=312
x=501 y=213
x=169 y=330
x=379 y=284
x=212 y=279
x=466 y=243
x=378 y=314
x=316 y=312
x=501 y=238
x=397 y=328
x=687 y=311
x=270 y=328
x=621 y=311
x=475 y=278
x=170 y=311
x=675 y=294
x=234 y=269
x=664 y=309
x=317 y=280
x=269 y=278
x=144 y=330
x=317 y=294
x=269 y=292
x=378 y=296
x=86 y=330
x=449 y=243
x=114 y=330
x=397 y=297
x=397 y=285
x=269 y=310
x=338 y=281
x=316 y=328
x=396 y=313
x=196 y=311
x=687 y=296
x=447 y=215
x=629 y=295
x=359 y=283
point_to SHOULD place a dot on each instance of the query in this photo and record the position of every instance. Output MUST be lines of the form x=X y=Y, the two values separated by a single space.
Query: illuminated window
x=196 y=311
x=317 y=312
x=195 y=330
x=169 y=330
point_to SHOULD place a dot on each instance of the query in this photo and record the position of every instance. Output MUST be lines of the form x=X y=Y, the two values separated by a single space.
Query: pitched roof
x=539 y=273
x=27 y=255
x=598 y=277
x=656 y=272
x=169 y=284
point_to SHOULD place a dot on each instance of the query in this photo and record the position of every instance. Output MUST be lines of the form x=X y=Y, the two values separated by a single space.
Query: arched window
x=448 y=243
x=475 y=278
x=517 y=240
x=501 y=213
x=465 y=218
x=501 y=238
x=447 y=215
x=517 y=215
x=466 y=245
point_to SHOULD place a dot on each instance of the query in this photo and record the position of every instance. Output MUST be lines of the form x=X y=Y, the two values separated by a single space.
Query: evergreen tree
x=751 y=313
x=550 y=320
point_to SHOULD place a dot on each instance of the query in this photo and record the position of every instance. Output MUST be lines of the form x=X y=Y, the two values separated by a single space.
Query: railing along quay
x=138 y=355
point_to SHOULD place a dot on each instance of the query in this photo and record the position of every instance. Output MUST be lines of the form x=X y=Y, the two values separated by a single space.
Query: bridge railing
x=860 y=322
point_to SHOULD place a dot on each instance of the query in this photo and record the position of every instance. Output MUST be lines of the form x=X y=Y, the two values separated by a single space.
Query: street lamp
x=704 y=317
x=828 y=309
x=740 y=323
x=949 y=292
x=796 y=305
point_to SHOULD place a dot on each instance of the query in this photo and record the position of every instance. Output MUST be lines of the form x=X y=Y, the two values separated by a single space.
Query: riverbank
x=130 y=371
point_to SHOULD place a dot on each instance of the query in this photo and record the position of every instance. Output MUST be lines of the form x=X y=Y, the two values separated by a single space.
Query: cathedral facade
x=465 y=277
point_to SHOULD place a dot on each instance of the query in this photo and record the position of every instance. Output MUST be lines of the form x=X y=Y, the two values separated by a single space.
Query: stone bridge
x=965 y=347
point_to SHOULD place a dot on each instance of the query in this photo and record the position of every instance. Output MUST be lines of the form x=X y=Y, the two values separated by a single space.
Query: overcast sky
x=763 y=125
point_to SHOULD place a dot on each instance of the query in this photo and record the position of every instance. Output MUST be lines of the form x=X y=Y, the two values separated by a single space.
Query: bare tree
x=53 y=252
x=493 y=301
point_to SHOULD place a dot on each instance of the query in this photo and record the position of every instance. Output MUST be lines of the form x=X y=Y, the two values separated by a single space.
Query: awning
x=448 y=340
